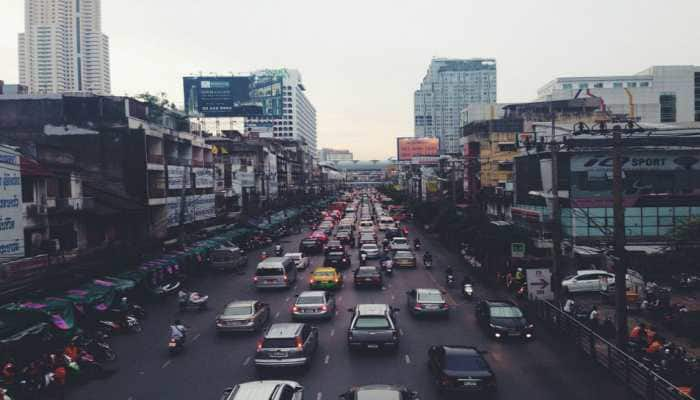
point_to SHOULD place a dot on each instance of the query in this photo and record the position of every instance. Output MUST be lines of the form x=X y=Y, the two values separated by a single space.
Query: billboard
x=219 y=96
x=11 y=207
x=409 y=147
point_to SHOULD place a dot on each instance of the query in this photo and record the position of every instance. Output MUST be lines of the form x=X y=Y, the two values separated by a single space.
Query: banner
x=203 y=178
x=198 y=208
x=11 y=207
x=175 y=175
x=409 y=147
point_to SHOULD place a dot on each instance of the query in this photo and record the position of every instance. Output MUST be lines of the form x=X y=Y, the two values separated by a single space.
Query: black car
x=334 y=245
x=368 y=276
x=460 y=369
x=503 y=319
x=379 y=392
x=310 y=246
x=337 y=259
x=345 y=238
x=391 y=233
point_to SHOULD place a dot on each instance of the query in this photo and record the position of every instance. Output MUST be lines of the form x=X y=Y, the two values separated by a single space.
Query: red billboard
x=409 y=147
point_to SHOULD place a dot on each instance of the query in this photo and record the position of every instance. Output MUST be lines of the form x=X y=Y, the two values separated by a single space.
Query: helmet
x=178 y=322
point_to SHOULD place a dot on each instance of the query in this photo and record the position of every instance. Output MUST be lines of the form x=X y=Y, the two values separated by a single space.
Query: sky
x=361 y=61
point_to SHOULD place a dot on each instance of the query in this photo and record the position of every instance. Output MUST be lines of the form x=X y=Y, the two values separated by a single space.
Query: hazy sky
x=362 y=60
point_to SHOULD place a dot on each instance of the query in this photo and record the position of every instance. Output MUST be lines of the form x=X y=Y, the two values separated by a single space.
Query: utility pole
x=556 y=211
x=183 y=206
x=619 y=240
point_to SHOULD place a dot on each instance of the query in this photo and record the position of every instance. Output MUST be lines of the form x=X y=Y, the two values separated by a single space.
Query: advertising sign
x=198 y=208
x=517 y=250
x=176 y=173
x=645 y=173
x=539 y=284
x=203 y=177
x=24 y=268
x=11 y=207
x=409 y=147
x=227 y=96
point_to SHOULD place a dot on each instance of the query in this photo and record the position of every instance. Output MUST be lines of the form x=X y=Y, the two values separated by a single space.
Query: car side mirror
x=296 y=295
x=350 y=310
x=298 y=388
x=443 y=291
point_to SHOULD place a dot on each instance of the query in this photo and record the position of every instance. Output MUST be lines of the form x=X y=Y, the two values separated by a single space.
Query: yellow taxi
x=325 y=278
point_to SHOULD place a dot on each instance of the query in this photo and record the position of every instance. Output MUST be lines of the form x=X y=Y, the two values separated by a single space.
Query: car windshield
x=336 y=254
x=400 y=241
x=429 y=296
x=323 y=274
x=310 y=300
x=269 y=271
x=232 y=311
x=282 y=343
x=463 y=362
x=378 y=394
x=367 y=271
x=369 y=247
x=372 y=322
x=403 y=254
x=506 y=312
x=310 y=242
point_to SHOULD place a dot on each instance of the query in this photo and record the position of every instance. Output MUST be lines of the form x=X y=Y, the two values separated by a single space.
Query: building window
x=617 y=84
x=668 y=107
x=583 y=86
x=631 y=84
x=697 y=97
x=598 y=85
x=644 y=84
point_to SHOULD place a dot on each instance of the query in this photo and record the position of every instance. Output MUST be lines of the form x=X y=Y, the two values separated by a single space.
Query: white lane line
x=408 y=359
x=277 y=314
x=287 y=299
x=336 y=312
x=247 y=360
x=400 y=331
x=393 y=297
x=196 y=337
x=383 y=287
x=332 y=332
x=328 y=358
x=165 y=364
x=340 y=298
x=130 y=398
x=319 y=396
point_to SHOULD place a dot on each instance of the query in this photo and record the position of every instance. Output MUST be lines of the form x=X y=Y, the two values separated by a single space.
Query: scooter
x=416 y=246
x=279 y=250
x=100 y=349
x=129 y=324
x=363 y=259
x=176 y=345
x=428 y=264
x=450 y=280
x=468 y=291
x=194 y=300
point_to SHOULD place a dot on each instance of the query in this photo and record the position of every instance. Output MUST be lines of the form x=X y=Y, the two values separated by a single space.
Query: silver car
x=313 y=304
x=269 y=390
x=243 y=316
x=372 y=250
x=287 y=345
x=427 y=302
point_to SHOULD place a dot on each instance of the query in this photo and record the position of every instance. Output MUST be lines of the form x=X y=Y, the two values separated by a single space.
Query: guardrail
x=634 y=374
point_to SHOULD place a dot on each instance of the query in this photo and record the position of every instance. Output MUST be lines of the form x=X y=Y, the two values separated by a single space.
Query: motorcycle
x=166 y=289
x=100 y=349
x=388 y=267
x=450 y=280
x=279 y=250
x=363 y=259
x=416 y=246
x=176 y=345
x=468 y=291
x=193 y=300
x=428 y=264
x=128 y=324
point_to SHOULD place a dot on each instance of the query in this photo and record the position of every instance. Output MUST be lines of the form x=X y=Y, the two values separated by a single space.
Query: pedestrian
x=569 y=305
x=593 y=318
x=608 y=329
x=639 y=334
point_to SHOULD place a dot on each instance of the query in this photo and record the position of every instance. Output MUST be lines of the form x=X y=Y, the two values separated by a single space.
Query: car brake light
x=445 y=381
x=418 y=307
x=299 y=344
x=255 y=279
x=445 y=305
x=260 y=345
x=324 y=308
x=336 y=280
x=286 y=278
x=295 y=309
x=311 y=280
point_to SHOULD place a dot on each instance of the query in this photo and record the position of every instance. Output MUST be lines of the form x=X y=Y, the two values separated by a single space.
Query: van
x=228 y=259
x=386 y=223
x=275 y=272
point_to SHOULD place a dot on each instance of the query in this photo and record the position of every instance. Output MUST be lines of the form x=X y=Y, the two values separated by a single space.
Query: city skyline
x=361 y=76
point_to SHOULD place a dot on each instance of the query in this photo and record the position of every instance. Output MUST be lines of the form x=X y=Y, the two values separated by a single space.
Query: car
x=373 y=327
x=427 y=302
x=404 y=258
x=346 y=226
x=391 y=233
x=326 y=227
x=371 y=249
x=299 y=260
x=367 y=239
x=592 y=280
x=460 y=369
x=399 y=243
x=367 y=276
x=310 y=245
x=313 y=304
x=502 y=319
x=319 y=235
x=379 y=392
x=338 y=260
x=325 y=278
x=243 y=316
x=386 y=222
x=345 y=238
x=268 y=390
x=333 y=245
x=289 y=344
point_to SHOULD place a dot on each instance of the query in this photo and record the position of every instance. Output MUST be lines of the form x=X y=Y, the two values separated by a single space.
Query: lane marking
x=328 y=358
x=319 y=396
x=287 y=299
x=165 y=364
x=332 y=332
x=196 y=337
x=340 y=298
x=393 y=297
x=383 y=287
x=408 y=359
x=400 y=331
x=336 y=312
x=247 y=360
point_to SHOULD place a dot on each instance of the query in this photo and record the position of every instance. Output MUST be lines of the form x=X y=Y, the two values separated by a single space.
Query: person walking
x=569 y=306
x=593 y=318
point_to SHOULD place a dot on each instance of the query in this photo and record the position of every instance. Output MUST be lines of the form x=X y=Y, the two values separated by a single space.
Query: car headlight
x=530 y=326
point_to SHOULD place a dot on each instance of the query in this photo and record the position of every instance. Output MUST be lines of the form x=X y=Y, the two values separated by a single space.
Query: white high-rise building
x=297 y=119
x=659 y=94
x=62 y=48
x=447 y=88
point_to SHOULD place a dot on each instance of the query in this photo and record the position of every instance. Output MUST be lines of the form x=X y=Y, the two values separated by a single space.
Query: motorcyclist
x=467 y=280
x=416 y=242
x=449 y=274
x=182 y=298
x=178 y=331
x=427 y=257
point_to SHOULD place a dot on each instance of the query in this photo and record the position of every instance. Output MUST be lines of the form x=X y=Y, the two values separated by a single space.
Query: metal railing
x=634 y=374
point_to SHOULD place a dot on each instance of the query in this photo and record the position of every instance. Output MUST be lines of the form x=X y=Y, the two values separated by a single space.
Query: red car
x=319 y=235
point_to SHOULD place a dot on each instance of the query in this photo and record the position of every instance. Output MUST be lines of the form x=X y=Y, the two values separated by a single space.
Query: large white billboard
x=11 y=221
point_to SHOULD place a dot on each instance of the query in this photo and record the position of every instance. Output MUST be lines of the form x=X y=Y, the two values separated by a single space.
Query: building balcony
x=197 y=163
x=155 y=158
x=173 y=160
x=70 y=204
x=157 y=193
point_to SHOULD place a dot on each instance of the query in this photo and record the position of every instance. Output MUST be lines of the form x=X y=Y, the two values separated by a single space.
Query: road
x=540 y=369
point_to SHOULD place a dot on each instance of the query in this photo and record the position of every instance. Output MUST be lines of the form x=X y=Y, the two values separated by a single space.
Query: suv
x=269 y=390
x=503 y=319
x=373 y=327
x=399 y=243
x=310 y=246
x=287 y=345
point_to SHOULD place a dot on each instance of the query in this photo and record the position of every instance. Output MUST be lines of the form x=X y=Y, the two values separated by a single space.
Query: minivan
x=286 y=345
x=228 y=259
x=386 y=223
x=275 y=272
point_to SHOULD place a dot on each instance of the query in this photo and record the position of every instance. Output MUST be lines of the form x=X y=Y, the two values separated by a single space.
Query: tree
x=687 y=232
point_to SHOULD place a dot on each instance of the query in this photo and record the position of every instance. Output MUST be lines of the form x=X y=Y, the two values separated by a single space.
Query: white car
x=592 y=280
x=299 y=260
x=399 y=243
x=272 y=390
x=372 y=250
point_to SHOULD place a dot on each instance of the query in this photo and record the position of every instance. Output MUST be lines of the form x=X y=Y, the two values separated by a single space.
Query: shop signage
x=11 y=206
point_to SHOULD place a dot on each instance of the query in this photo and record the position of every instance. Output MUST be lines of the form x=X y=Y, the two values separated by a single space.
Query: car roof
x=500 y=303
x=369 y=245
x=461 y=350
x=301 y=255
x=258 y=389
x=271 y=262
x=312 y=293
x=428 y=291
x=404 y=253
x=591 y=271
x=241 y=303
x=283 y=330
x=324 y=269
x=400 y=238
x=372 y=309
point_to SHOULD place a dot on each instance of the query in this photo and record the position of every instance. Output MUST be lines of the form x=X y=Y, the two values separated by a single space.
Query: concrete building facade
x=659 y=94
x=447 y=88
x=63 y=48
x=335 y=155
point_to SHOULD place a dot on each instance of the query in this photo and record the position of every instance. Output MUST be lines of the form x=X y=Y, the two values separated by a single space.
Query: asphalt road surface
x=540 y=369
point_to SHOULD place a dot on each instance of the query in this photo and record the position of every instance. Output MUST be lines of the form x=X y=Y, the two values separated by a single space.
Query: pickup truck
x=373 y=327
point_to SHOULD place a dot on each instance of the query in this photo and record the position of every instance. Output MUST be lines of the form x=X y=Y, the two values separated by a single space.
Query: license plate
x=513 y=333
x=469 y=383
x=372 y=346
x=270 y=281
x=368 y=279
x=278 y=354
x=432 y=306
